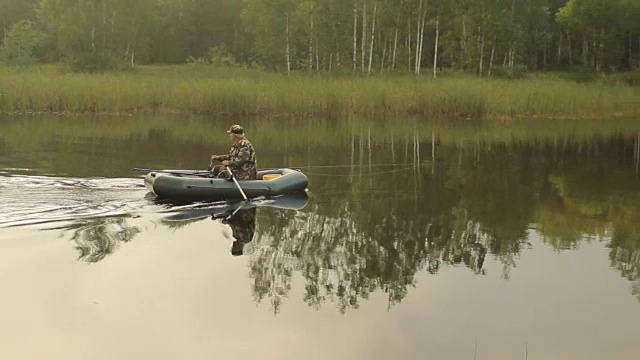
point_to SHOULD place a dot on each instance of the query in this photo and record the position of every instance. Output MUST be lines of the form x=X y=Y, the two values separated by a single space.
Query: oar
x=237 y=184
x=332 y=166
x=203 y=172
x=181 y=172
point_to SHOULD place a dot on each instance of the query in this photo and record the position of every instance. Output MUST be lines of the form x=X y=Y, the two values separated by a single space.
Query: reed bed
x=207 y=90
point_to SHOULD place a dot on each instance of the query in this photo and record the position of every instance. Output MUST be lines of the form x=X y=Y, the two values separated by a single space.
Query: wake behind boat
x=186 y=185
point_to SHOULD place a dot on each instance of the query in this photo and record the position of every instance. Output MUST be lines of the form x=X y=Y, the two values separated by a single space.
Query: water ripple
x=39 y=199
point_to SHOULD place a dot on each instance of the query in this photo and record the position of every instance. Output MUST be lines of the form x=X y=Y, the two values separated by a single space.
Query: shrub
x=21 y=43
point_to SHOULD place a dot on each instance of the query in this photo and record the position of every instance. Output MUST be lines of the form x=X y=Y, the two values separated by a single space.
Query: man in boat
x=243 y=227
x=241 y=158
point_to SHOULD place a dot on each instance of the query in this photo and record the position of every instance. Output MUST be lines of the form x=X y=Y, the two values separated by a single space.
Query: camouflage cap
x=236 y=130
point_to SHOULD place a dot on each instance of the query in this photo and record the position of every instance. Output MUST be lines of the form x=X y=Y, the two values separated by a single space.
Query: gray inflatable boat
x=272 y=182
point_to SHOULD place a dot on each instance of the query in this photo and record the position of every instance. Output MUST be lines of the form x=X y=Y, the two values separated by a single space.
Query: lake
x=416 y=239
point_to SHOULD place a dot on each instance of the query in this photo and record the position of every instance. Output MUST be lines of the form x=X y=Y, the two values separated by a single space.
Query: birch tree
x=487 y=37
x=373 y=31
x=273 y=30
x=97 y=34
x=602 y=28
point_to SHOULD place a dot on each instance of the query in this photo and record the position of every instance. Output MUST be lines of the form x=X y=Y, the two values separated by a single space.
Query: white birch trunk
x=286 y=49
x=601 y=51
x=395 y=46
x=363 y=40
x=104 y=26
x=417 y=59
x=421 y=36
x=113 y=23
x=317 y=56
x=513 y=51
x=384 y=55
x=393 y=151
x=93 y=38
x=638 y=156
x=355 y=35
x=481 y=64
x=464 y=38
x=373 y=30
x=435 y=49
x=560 y=48
x=433 y=152
x=311 y=44
x=409 y=44
x=493 y=49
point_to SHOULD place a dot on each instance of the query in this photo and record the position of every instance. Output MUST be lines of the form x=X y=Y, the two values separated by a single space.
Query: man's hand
x=225 y=163
x=215 y=157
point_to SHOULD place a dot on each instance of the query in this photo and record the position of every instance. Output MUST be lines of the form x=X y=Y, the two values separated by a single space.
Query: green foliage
x=604 y=28
x=14 y=11
x=197 y=60
x=98 y=35
x=508 y=72
x=21 y=43
x=217 y=56
x=330 y=36
x=631 y=78
x=221 y=56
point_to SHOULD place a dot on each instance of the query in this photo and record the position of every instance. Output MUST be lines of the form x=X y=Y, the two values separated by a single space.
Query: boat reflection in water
x=241 y=216
x=182 y=215
x=95 y=238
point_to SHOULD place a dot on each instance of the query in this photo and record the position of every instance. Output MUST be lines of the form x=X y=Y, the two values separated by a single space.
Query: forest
x=480 y=37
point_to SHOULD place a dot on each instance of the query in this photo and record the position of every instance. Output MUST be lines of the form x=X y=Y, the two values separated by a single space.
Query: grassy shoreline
x=207 y=90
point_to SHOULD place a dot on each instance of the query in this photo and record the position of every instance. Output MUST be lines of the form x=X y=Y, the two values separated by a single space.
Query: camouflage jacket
x=242 y=160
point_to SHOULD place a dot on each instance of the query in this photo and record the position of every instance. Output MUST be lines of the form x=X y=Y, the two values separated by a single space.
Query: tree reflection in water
x=97 y=238
x=344 y=261
x=487 y=202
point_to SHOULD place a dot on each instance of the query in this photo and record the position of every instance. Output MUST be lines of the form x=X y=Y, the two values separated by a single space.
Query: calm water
x=481 y=241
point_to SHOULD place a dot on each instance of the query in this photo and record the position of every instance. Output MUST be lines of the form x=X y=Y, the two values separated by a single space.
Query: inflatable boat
x=167 y=184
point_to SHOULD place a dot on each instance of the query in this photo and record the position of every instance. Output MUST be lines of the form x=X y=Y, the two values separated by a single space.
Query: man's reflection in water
x=243 y=227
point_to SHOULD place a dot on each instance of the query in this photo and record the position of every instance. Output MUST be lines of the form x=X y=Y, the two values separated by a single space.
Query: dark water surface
x=482 y=241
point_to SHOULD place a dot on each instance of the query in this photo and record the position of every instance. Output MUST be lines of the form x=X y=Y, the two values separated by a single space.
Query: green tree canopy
x=21 y=43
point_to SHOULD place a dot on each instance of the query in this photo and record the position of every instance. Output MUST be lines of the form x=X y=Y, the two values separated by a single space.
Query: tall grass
x=203 y=89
